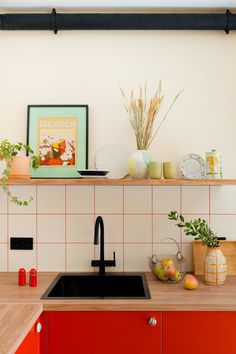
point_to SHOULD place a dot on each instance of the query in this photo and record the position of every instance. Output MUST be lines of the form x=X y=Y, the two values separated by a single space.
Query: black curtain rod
x=118 y=21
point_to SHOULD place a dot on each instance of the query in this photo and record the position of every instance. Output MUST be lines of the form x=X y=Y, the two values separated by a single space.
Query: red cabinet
x=103 y=332
x=199 y=332
x=31 y=343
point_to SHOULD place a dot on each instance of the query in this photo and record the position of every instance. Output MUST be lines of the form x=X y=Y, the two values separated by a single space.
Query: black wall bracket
x=118 y=21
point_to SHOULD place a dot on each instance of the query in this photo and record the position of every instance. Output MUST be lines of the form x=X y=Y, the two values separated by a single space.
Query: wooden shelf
x=123 y=182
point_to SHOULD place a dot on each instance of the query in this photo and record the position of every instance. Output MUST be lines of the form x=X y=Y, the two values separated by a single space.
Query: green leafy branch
x=198 y=228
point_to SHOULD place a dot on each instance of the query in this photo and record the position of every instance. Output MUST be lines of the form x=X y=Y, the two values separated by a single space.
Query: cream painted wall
x=76 y=67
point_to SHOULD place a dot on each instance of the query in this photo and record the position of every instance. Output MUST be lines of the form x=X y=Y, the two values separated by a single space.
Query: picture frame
x=58 y=134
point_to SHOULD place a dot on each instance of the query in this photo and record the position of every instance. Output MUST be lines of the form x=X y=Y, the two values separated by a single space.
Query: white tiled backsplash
x=61 y=221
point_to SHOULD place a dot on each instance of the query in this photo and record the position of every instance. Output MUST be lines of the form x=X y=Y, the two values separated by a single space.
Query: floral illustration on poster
x=57 y=141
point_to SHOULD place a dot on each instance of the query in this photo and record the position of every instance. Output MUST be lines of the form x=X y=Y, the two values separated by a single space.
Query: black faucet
x=101 y=263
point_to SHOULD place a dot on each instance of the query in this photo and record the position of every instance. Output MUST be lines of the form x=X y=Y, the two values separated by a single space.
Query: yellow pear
x=159 y=272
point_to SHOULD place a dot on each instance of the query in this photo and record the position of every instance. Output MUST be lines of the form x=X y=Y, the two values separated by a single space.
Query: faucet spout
x=99 y=225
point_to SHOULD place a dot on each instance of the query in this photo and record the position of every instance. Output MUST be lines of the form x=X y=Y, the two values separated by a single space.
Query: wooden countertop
x=15 y=322
x=21 y=306
x=164 y=296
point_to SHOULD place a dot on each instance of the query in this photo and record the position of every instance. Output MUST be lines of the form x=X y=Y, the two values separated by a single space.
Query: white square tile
x=79 y=228
x=3 y=257
x=113 y=228
x=189 y=238
x=3 y=228
x=51 y=228
x=138 y=228
x=224 y=226
x=22 y=259
x=165 y=199
x=223 y=199
x=3 y=202
x=47 y=262
x=136 y=257
x=195 y=199
x=51 y=199
x=78 y=257
x=163 y=227
x=109 y=249
x=80 y=199
x=23 y=193
x=138 y=200
x=109 y=200
x=22 y=225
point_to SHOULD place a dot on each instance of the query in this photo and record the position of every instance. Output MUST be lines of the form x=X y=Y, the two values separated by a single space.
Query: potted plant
x=215 y=263
x=10 y=154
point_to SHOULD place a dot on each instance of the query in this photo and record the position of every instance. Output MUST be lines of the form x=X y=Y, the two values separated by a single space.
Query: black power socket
x=21 y=243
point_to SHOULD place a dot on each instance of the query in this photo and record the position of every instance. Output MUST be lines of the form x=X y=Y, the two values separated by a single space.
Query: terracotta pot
x=20 y=167
x=215 y=267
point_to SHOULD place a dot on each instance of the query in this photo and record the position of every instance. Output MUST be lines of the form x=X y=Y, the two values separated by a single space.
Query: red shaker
x=33 y=277
x=21 y=277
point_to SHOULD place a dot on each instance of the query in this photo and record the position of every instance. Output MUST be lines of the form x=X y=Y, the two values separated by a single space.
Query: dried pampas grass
x=142 y=113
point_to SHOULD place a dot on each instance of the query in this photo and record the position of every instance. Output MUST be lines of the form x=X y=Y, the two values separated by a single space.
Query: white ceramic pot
x=138 y=164
x=215 y=267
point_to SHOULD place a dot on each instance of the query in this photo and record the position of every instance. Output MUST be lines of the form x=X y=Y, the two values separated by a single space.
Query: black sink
x=90 y=285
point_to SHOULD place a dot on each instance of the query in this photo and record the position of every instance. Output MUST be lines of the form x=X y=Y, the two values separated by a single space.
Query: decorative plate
x=93 y=173
x=113 y=158
x=193 y=167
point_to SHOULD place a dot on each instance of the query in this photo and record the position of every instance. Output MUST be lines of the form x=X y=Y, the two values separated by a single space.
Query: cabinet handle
x=152 y=321
x=38 y=327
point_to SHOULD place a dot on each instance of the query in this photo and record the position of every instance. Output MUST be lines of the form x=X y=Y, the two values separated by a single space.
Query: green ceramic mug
x=169 y=170
x=155 y=170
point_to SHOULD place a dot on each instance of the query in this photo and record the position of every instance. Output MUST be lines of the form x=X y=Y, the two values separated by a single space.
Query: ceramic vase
x=20 y=167
x=215 y=266
x=138 y=164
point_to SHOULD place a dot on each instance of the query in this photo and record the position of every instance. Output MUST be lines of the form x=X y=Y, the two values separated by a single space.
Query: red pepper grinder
x=21 y=277
x=33 y=277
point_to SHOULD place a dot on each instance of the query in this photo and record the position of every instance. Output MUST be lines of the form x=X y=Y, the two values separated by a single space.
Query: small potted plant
x=14 y=162
x=215 y=263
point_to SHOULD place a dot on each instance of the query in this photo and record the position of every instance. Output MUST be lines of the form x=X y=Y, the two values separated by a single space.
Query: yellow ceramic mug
x=169 y=170
x=155 y=170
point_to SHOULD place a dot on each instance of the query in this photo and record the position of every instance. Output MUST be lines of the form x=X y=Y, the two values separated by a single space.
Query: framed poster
x=58 y=134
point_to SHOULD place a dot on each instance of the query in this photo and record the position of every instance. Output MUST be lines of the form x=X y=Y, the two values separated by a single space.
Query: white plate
x=193 y=167
x=113 y=158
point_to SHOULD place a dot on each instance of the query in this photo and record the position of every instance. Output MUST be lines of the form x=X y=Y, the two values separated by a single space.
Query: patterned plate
x=193 y=167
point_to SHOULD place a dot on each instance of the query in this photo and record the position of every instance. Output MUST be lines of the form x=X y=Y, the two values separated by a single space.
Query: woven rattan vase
x=215 y=266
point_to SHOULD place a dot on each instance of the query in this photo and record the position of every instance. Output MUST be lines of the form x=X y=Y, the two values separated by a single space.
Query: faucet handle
x=114 y=259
